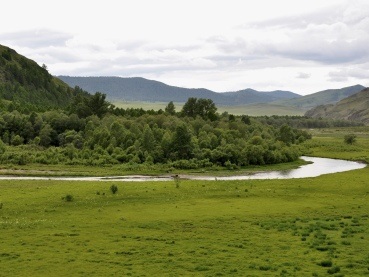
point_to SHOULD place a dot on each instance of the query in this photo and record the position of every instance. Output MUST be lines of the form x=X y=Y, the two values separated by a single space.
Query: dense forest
x=93 y=132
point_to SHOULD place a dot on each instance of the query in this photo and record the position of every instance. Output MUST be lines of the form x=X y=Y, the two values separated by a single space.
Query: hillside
x=26 y=84
x=354 y=108
x=140 y=89
x=329 y=96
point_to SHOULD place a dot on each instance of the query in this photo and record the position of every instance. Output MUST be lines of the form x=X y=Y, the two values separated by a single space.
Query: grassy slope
x=354 y=107
x=256 y=228
x=321 y=98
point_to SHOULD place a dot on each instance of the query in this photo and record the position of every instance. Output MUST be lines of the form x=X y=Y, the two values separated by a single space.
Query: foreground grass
x=302 y=227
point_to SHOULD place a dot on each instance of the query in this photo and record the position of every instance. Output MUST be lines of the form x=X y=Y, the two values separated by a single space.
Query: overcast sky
x=224 y=45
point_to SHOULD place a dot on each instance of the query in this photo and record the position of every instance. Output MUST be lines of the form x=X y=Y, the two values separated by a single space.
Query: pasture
x=299 y=227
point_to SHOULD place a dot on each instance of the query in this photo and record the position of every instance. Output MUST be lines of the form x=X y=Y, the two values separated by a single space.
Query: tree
x=45 y=135
x=98 y=105
x=286 y=134
x=2 y=147
x=170 y=108
x=204 y=108
x=182 y=143
x=189 y=108
x=148 y=140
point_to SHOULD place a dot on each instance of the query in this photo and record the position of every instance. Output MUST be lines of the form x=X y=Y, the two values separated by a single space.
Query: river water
x=317 y=167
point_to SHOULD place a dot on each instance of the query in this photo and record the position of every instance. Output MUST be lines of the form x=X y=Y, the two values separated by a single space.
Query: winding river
x=317 y=167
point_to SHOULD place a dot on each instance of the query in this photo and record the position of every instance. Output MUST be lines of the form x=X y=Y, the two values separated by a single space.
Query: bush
x=114 y=189
x=68 y=198
x=334 y=270
x=326 y=263
x=350 y=139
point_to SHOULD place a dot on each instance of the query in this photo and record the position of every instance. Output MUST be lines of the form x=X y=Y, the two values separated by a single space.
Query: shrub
x=350 y=139
x=334 y=270
x=114 y=189
x=326 y=263
x=68 y=198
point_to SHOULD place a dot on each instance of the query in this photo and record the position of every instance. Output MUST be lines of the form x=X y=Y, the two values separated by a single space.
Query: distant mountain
x=140 y=89
x=354 y=107
x=329 y=96
x=24 y=83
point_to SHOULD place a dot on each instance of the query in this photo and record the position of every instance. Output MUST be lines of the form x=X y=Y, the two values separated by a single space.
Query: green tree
x=98 y=105
x=182 y=145
x=170 y=108
x=148 y=140
x=286 y=134
x=2 y=147
x=45 y=135
x=204 y=108
x=189 y=108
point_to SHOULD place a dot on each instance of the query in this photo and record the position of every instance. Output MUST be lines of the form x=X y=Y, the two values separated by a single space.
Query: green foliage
x=204 y=108
x=114 y=189
x=153 y=139
x=170 y=108
x=29 y=86
x=68 y=198
x=350 y=138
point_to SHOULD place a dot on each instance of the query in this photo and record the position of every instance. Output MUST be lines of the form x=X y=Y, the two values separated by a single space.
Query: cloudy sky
x=224 y=45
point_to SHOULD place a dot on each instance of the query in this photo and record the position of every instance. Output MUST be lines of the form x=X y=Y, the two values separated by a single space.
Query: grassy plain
x=300 y=227
x=252 y=109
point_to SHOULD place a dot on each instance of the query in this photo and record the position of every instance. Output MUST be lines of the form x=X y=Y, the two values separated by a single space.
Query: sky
x=302 y=46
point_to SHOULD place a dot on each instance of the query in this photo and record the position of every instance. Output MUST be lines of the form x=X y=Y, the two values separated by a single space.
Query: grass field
x=252 y=109
x=300 y=227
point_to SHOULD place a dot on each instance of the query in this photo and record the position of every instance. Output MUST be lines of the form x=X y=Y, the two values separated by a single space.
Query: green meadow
x=258 y=109
x=299 y=227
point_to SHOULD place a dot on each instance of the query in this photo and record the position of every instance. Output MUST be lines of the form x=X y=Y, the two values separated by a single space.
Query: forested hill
x=354 y=107
x=140 y=89
x=26 y=85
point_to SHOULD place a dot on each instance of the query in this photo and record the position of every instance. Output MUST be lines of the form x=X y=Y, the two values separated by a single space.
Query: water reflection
x=317 y=167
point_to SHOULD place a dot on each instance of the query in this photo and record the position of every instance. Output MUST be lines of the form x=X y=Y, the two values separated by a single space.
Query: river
x=317 y=167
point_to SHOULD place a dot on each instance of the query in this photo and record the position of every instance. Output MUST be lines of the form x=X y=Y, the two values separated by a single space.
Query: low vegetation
x=304 y=227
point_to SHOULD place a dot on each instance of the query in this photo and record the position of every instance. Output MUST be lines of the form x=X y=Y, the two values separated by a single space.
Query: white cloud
x=303 y=75
x=222 y=45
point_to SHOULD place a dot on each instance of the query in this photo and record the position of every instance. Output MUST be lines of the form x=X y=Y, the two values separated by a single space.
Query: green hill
x=354 y=108
x=24 y=83
x=329 y=96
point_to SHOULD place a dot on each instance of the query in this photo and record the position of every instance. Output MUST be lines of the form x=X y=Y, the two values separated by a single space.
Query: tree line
x=94 y=132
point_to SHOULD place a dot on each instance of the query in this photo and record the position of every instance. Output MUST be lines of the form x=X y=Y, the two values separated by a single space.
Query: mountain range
x=140 y=89
x=25 y=85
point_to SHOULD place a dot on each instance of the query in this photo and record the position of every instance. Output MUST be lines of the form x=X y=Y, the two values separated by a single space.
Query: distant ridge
x=329 y=96
x=141 y=89
x=354 y=108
